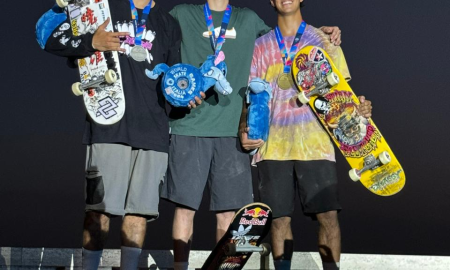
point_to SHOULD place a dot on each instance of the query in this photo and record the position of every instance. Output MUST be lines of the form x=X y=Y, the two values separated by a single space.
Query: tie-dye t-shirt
x=295 y=133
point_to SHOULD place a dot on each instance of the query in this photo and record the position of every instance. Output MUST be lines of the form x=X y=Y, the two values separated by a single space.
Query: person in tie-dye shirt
x=298 y=155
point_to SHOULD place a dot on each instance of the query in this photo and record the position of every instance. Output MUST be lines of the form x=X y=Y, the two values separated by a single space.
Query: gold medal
x=285 y=81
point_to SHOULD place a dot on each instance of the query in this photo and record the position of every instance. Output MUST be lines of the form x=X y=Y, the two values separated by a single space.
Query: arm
x=54 y=34
x=334 y=32
x=248 y=144
x=260 y=27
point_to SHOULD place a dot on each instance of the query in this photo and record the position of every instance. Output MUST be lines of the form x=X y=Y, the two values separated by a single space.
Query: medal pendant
x=138 y=53
x=285 y=81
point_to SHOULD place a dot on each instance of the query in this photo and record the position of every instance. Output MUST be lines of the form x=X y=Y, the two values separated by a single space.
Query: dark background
x=398 y=54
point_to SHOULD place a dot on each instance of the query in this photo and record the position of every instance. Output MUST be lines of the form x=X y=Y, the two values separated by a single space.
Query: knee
x=281 y=223
x=224 y=218
x=184 y=214
x=134 y=223
x=96 y=220
x=328 y=219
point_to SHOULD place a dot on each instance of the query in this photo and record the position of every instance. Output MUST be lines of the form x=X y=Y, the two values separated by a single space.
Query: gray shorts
x=122 y=180
x=220 y=162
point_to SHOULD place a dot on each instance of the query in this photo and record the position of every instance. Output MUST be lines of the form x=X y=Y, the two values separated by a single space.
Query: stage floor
x=53 y=258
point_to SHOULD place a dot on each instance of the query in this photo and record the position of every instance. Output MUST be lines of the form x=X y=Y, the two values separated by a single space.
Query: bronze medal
x=285 y=81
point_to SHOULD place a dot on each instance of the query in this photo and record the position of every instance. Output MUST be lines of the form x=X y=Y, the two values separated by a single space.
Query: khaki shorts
x=122 y=180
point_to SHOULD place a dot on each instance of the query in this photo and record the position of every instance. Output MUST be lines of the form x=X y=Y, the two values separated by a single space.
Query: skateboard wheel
x=353 y=173
x=266 y=249
x=333 y=78
x=303 y=98
x=230 y=249
x=76 y=89
x=110 y=76
x=384 y=157
x=62 y=3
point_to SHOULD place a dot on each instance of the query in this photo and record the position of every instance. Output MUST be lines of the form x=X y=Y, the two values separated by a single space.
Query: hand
x=334 y=32
x=197 y=101
x=247 y=143
x=365 y=108
x=107 y=41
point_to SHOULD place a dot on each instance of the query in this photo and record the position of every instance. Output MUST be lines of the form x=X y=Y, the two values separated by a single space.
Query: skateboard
x=248 y=228
x=330 y=97
x=100 y=77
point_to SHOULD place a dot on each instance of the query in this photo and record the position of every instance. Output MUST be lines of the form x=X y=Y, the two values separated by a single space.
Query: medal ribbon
x=139 y=26
x=288 y=58
x=216 y=43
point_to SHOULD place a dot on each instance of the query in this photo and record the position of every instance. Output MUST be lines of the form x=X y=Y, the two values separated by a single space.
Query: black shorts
x=315 y=181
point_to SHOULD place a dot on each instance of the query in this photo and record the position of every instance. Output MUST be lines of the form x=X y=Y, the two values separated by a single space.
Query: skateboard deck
x=248 y=228
x=330 y=97
x=100 y=76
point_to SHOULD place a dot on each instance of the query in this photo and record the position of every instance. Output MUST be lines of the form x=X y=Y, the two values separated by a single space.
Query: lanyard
x=140 y=25
x=216 y=44
x=287 y=59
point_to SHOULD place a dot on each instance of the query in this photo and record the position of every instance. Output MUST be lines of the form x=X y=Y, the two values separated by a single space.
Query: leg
x=223 y=222
x=105 y=185
x=329 y=237
x=317 y=181
x=133 y=231
x=230 y=182
x=105 y=180
x=95 y=231
x=189 y=164
x=147 y=173
x=282 y=239
x=183 y=229
x=133 y=235
x=277 y=189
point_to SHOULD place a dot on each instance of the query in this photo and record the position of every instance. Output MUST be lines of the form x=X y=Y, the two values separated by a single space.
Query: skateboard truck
x=370 y=163
x=232 y=248
x=320 y=89
x=110 y=77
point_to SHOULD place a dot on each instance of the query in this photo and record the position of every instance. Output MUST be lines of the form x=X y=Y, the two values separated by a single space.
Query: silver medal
x=138 y=53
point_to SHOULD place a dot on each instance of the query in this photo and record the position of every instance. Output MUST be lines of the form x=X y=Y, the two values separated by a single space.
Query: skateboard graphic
x=100 y=76
x=248 y=228
x=330 y=97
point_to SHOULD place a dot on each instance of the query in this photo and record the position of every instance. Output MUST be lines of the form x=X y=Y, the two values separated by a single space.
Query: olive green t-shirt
x=218 y=115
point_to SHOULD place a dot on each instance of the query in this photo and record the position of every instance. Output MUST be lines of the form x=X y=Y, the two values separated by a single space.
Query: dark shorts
x=314 y=181
x=218 y=162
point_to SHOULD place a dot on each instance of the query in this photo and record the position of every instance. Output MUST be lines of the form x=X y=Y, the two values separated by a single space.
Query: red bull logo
x=256 y=213
x=253 y=221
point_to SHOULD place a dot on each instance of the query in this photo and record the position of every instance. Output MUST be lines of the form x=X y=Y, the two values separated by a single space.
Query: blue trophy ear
x=151 y=74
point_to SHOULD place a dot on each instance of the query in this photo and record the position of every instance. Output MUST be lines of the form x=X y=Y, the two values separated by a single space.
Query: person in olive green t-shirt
x=205 y=147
